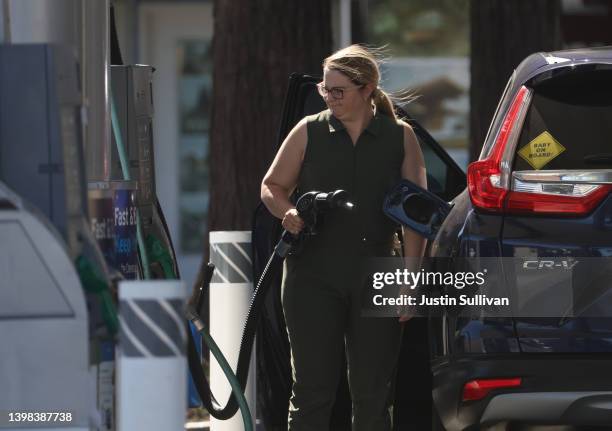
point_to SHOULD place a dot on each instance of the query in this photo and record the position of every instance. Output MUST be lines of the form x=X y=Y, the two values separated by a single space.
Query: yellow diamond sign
x=541 y=150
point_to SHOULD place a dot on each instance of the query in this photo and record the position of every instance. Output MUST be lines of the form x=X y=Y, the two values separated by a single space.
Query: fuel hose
x=246 y=344
x=309 y=206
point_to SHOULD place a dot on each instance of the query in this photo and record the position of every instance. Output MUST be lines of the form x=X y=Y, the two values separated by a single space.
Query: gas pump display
x=112 y=210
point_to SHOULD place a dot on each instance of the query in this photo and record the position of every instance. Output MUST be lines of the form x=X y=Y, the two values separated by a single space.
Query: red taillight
x=478 y=389
x=534 y=203
x=484 y=176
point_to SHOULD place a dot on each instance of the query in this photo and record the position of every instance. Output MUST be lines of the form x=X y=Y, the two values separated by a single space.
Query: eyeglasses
x=336 y=92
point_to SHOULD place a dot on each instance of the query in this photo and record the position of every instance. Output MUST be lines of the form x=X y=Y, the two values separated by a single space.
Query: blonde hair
x=361 y=65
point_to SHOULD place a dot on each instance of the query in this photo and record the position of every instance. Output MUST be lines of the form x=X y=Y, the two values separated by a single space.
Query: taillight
x=488 y=179
x=483 y=180
x=561 y=199
x=553 y=198
x=479 y=389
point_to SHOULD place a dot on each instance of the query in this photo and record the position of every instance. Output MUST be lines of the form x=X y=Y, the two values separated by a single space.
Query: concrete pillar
x=231 y=289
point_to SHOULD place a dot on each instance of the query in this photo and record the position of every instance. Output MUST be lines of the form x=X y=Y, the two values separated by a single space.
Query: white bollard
x=231 y=289
x=151 y=364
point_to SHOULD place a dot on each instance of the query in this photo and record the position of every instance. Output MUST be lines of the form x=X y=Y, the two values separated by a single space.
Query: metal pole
x=95 y=67
x=5 y=22
x=345 y=23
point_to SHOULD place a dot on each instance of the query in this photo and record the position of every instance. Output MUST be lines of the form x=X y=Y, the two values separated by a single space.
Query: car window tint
x=444 y=179
x=436 y=170
x=569 y=124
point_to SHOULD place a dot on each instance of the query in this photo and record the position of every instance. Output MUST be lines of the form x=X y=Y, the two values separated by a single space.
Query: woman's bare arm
x=281 y=178
x=413 y=169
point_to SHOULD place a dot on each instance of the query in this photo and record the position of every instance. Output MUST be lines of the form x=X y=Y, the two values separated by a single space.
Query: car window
x=437 y=171
x=302 y=99
x=445 y=178
x=569 y=124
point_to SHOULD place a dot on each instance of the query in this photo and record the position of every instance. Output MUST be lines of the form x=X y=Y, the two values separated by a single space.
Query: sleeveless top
x=366 y=170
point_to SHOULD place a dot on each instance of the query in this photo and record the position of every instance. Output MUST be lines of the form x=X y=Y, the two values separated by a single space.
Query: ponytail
x=383 y=102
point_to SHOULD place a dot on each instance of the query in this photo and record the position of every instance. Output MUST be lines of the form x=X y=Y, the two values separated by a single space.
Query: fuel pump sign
x=124 y=209
x=112 y=212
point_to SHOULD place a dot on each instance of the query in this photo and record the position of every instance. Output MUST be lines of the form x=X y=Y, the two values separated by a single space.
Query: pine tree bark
x=256 y=46
x=502 y=34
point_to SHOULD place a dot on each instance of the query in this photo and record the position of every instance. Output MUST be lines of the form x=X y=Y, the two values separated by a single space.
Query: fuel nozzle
x=311 y=207
x=337 y=199
x=312 y=204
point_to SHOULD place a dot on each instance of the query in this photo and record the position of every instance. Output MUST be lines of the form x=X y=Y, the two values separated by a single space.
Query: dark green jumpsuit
x=322 y=289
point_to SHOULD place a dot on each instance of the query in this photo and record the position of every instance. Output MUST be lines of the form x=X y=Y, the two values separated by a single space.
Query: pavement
x=205 y=426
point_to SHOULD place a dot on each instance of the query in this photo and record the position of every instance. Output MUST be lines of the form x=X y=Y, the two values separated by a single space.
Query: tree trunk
x=502 y=34
x=256 y=45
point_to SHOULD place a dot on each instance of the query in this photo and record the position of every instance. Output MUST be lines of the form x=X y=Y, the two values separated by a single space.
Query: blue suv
x=540 y=190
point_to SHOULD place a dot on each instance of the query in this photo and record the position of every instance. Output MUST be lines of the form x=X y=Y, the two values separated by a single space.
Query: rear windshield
x=569 y=124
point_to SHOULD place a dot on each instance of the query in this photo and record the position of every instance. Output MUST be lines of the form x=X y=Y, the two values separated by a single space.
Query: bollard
x=151 y=363
x=231 y=289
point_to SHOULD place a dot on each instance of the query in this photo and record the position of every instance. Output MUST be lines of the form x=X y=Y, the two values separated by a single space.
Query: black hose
x=246 y=344
x=309 y=205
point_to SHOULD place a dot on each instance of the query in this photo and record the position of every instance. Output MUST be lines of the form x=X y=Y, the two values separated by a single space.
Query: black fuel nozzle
x=311 y=206
x=337 y=199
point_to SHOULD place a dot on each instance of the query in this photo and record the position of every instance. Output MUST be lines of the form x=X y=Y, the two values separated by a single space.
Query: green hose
x=126 y=176
x=158 y=253
x=231 y=378
x=93 y=282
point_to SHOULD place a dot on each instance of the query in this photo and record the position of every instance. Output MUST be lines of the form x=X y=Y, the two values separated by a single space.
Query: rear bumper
x=566 y=408
x=556 y=389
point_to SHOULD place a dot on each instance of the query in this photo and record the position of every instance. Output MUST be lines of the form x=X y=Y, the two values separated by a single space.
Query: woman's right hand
x=292 y=222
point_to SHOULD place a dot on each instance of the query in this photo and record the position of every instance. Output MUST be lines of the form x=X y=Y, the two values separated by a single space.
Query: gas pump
x=49 y=256
x=69 y=241
x=133 y=105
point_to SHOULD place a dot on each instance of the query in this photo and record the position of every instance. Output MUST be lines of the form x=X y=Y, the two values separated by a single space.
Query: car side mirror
x=417 y=208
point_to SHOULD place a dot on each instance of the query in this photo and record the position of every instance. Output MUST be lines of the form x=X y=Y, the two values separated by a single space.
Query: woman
x=358 y=145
